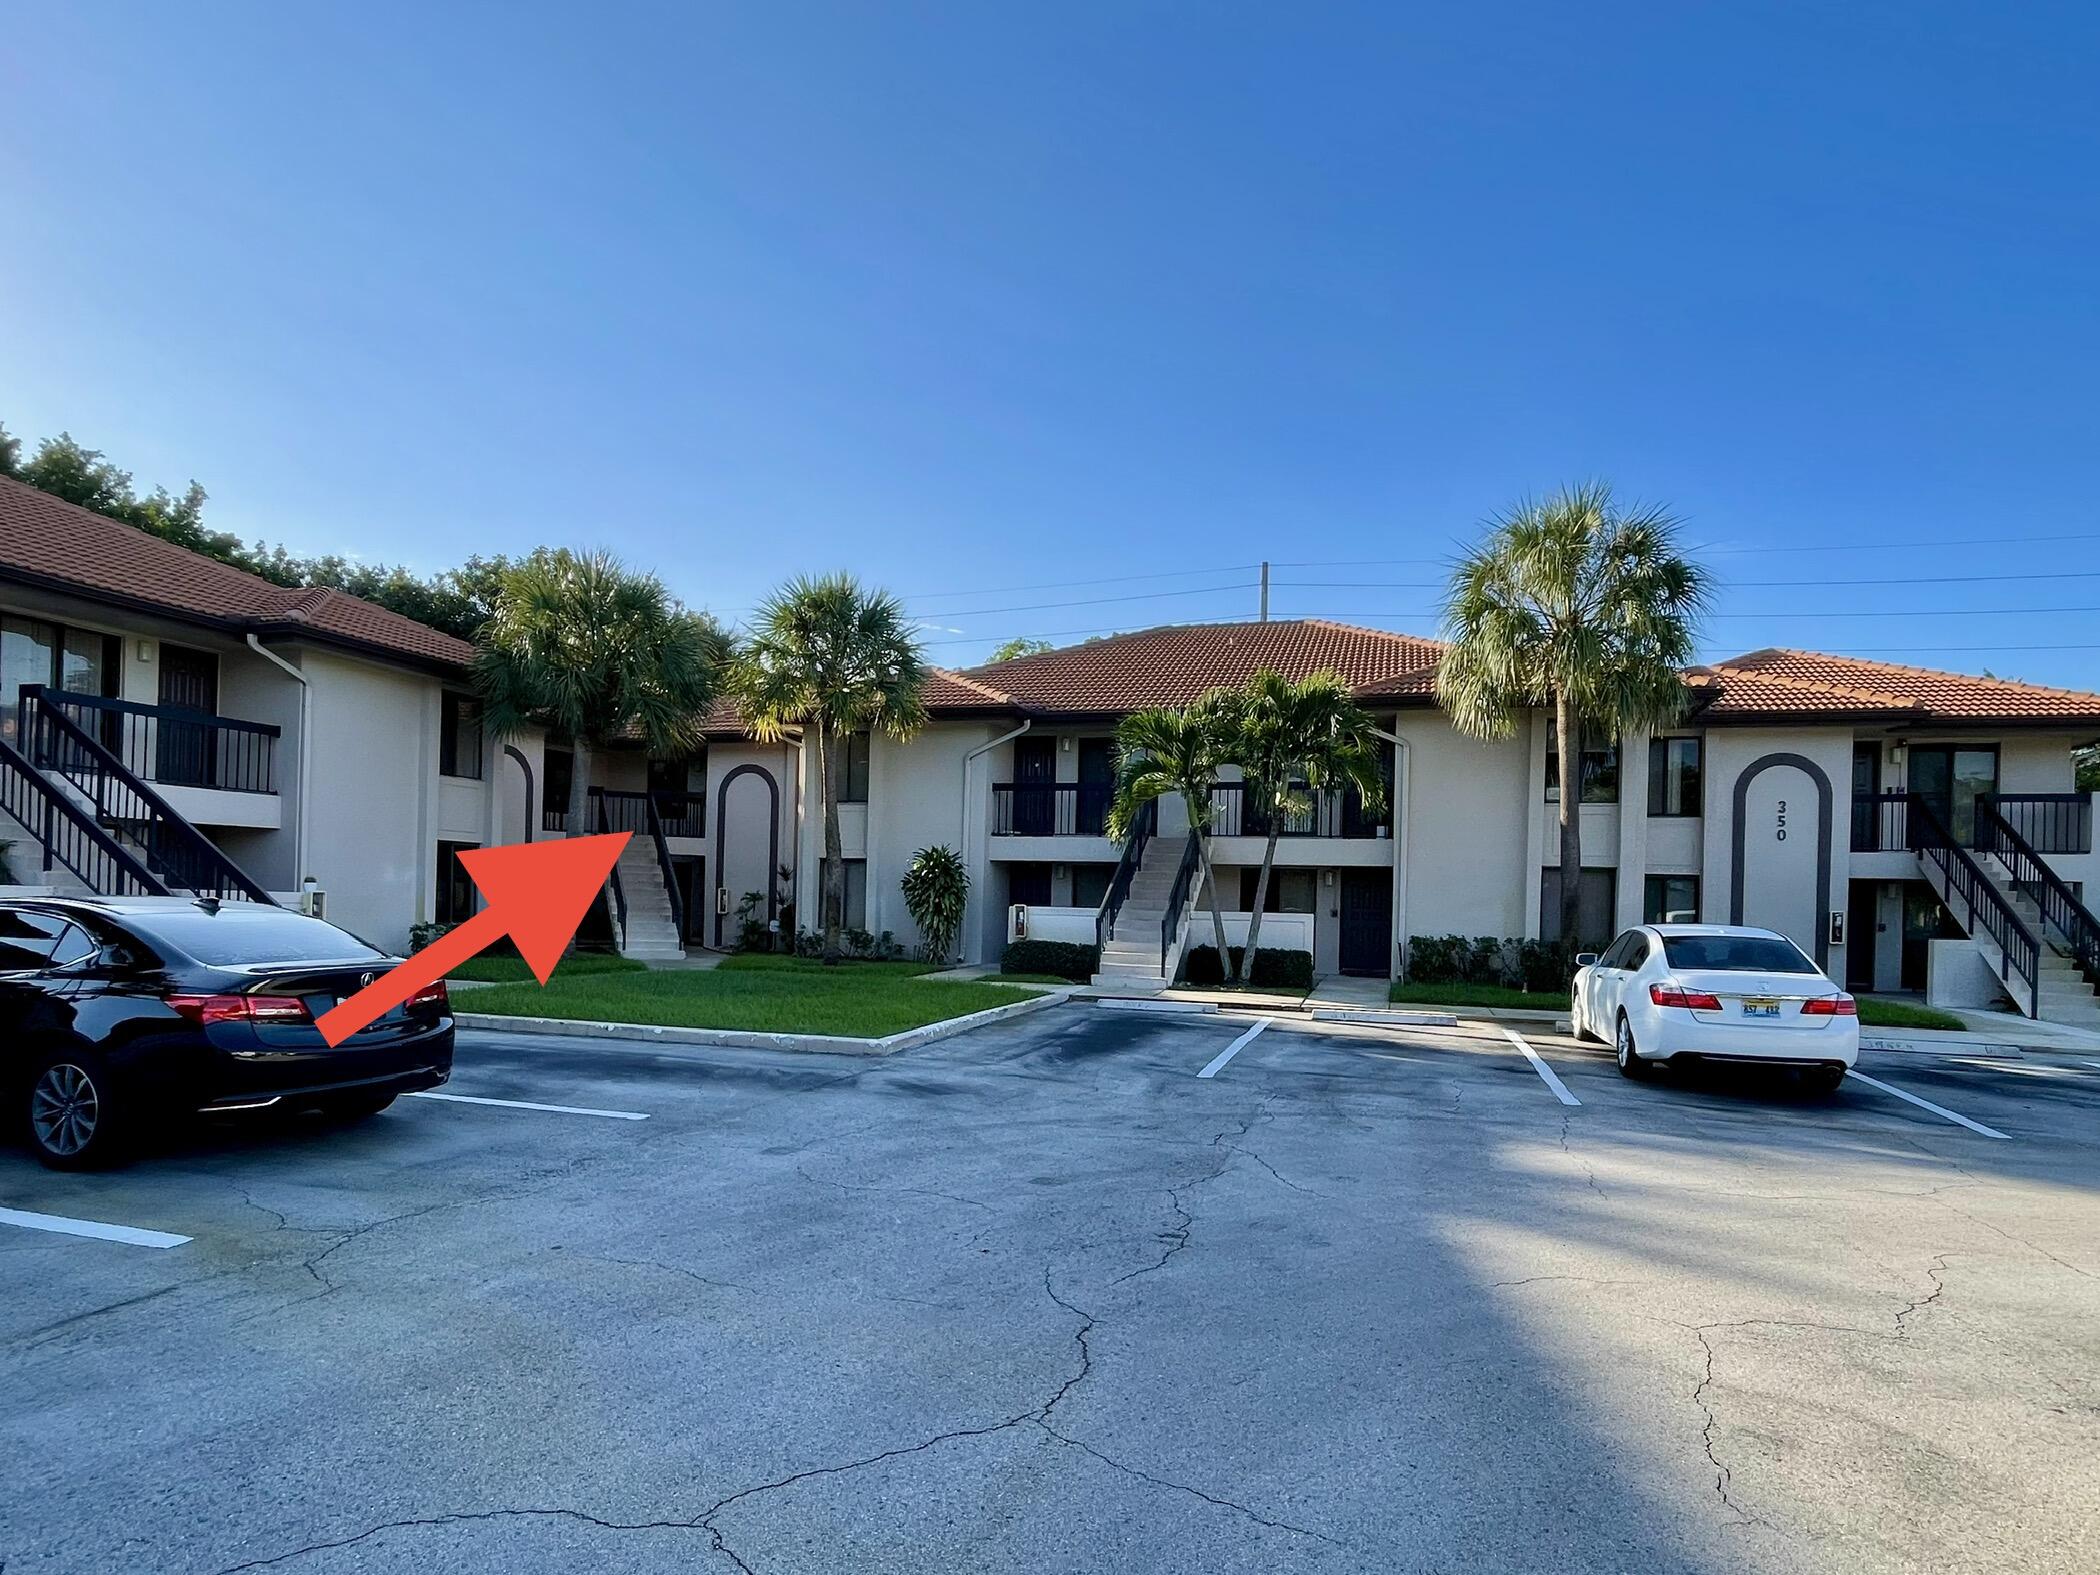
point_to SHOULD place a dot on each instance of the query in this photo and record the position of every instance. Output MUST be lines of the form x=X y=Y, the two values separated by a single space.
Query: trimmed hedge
x=1509 y=961
x=1064 y=959
x=1272 y=965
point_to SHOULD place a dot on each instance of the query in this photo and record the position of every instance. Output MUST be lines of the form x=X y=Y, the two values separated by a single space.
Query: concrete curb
x=747 y=1039
x=1344 y=1014
x=1128 y=1003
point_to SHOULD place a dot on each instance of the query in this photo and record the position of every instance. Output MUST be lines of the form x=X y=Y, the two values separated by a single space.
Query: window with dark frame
x=1674 y=769
x=1600 y=769
x=1670 y=899
x=1290 y=891
x=853 y=911
x=459 y=736
x=853 y=772
x=1598 y=896
x=455 y=892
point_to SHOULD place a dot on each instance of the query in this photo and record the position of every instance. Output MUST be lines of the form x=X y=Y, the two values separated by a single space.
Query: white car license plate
x=1760 y=1006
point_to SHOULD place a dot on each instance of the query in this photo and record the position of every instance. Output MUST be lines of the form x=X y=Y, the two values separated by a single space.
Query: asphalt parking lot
x=1044 y=1298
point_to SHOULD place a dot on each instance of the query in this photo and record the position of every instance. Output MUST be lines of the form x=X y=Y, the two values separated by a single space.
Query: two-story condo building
x=170 y=723
x=1908 y=828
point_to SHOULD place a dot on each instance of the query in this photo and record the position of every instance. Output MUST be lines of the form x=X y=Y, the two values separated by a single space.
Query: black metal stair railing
x=1976 y=901
x=1126 y=869
x=68 y=835
x=130 y=810
x=2060 y=908
x=670 y=874
x=1178 y=899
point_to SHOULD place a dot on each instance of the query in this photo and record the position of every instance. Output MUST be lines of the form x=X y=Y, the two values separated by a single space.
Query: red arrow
x=536 y=893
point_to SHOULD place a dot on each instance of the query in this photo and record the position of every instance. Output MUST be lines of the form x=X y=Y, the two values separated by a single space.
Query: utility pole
x=1265 y=593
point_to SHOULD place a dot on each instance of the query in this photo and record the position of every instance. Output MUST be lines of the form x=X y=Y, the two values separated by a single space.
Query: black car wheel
x=1822 y=1079
x=73 y=1124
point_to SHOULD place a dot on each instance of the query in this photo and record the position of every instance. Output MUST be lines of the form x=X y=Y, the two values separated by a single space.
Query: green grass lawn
x=774 y=962
x=1904 y=1014
x=763 y=995
x=512 y=970
x=1478 y=995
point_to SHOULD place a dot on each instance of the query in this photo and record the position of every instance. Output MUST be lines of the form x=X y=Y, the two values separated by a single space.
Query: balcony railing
x=679 y=814
x=170 y=745
x=1333 y=814
x=2046 y=822
x=1050 y=809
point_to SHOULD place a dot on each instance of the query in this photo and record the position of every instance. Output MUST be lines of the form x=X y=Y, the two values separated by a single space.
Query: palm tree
x=1168 y=750
x=1293 y=742
x=824 y=652
x=584 y=647
x=1575 y=605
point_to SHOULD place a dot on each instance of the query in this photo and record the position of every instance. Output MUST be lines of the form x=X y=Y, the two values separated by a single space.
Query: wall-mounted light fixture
x=1057 y=872
x=1327 y=877
x=1896 y=751
x=1065 y=743
x=145 y=650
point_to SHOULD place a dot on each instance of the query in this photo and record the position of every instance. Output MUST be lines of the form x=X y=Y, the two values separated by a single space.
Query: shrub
x=1511 y=962
x=1272 y=965
x=1063 y=959
x=936 y=885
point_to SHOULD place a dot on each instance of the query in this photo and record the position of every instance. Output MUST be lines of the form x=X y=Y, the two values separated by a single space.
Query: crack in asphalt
x=1722 y=1474
x=1937 y=1273
x=667 y=1268
x=1182 y=1487
x=459 y=1518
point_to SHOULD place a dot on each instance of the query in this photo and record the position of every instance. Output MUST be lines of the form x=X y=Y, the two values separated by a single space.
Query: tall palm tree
x=826 y=653
x=584 y=647
x=1292 y=742
x=1169 y=750
x=1576 y=605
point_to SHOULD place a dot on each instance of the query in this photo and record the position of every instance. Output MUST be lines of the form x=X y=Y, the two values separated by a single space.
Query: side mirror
x=1585 y=959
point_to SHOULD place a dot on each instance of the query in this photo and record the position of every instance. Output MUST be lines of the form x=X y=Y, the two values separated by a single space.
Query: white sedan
x=1714 y=992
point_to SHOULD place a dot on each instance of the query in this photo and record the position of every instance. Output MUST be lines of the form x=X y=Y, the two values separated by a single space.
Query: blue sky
x=985 y=299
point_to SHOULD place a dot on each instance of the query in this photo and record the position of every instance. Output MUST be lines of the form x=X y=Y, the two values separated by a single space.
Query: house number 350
x=1782 y=820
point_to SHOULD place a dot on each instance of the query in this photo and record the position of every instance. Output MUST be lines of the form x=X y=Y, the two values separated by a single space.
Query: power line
x=1741 y=585
x=1096 y=601
x=1059 y=585
x=1908 y=544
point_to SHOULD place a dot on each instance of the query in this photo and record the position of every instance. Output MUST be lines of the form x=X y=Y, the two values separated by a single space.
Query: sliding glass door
x=1951 y=779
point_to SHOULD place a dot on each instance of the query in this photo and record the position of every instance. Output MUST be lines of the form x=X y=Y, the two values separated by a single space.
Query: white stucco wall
x=1466 y=804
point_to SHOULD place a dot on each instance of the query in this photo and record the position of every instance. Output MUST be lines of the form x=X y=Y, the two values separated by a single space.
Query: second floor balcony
x=616 y=809
x=1080 y=809
x=2060 y=823
x=172 y=746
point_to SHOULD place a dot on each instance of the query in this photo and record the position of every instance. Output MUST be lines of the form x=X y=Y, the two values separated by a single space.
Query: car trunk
x=319 y=987
x=1753 y=1000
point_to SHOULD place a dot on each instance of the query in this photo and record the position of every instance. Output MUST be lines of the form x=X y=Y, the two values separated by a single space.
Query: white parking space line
x=130 y=1235
x=2094 y=1064
x=1954 y=1116
x=1560 y=1089
x=1233 y=1049
x=526 y=1104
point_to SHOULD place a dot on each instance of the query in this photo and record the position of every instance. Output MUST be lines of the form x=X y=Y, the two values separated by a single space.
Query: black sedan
x=117 y=1011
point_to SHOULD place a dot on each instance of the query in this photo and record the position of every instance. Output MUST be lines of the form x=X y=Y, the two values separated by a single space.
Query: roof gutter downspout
x=971 y=861
x=1402 y=806
x=306 y=733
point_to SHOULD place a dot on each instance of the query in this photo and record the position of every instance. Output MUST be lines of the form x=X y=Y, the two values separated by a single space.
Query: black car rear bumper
x=401 y=1082
x=251 y=1078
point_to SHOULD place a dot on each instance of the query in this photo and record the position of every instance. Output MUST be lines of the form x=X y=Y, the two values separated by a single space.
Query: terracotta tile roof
x=1179 y=663
x=50 y=542
x=1807 y=684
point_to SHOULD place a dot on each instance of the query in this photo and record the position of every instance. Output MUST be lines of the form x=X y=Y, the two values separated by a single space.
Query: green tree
x=826 y=653
x=586 y=648
x=1174 y=750
x=1018 y=646
x=1293 y=742
x=1582 y=608
x=2087 y=762
x=936 y=889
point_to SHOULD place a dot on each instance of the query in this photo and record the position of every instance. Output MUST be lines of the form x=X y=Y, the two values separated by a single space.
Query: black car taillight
x=431 y=997
x=240 y=1008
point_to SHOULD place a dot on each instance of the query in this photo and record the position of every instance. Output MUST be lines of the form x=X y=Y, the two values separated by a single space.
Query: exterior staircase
x=2062 y=993
x=1130 y=953
x=650 y=932
x=2028 y=925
